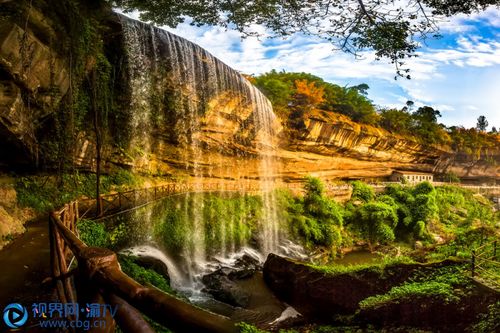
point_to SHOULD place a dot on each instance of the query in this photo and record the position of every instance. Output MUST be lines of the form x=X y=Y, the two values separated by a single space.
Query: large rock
x=317 y=294
x=222 y=288
x=430 y=312
x=33 y=79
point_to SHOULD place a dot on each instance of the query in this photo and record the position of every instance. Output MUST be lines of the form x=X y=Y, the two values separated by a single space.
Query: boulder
x=315 y=293
x=155 y=264
x=222 y=288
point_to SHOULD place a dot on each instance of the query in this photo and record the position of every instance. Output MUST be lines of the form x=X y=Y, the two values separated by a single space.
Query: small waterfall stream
x=180 y=90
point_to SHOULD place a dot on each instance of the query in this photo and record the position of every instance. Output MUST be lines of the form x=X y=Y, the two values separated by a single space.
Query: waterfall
x=184 y=100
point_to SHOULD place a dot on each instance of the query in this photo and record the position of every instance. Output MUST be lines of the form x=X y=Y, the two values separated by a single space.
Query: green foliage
x=446 y=284
x=412 y=291
x=362 y=191
x=227 y=219
x=379 y=267
x=143 y=275
x=315 y=218
x=248 y=328
x=459 y=207
x=488 y=322
x=451 y=177
x=47 y=193
x=376 y=221
x=93 y=233
x=281 y=89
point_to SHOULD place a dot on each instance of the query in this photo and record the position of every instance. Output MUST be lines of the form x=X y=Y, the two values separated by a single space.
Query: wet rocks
x=315 y=293
x=222 y=288
x=221 y=283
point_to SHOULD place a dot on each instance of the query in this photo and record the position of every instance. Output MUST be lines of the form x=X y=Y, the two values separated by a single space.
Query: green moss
x=248 y=328
x=352 y=269
x=488 y=322
x=143 y=275
x=412 y=291
x=447 y=284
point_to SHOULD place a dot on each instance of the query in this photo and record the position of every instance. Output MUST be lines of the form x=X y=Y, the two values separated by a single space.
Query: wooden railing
x=485 y=264
x=99 y=278
x=121 y=201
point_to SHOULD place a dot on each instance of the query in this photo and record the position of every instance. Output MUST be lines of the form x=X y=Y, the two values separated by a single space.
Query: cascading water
x=181 y=91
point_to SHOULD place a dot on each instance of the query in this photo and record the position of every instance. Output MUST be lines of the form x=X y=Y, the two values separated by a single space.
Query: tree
x=393 y=29
x=409 y=106
x=494 y=130
x=398 y=121
x=307 y=93
x=482 y=123
x=376 y=222
x=362 y=191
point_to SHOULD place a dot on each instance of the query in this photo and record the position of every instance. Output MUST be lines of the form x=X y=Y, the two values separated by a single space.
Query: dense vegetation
x=403 y=214
x=45 y=193
x=228 y=220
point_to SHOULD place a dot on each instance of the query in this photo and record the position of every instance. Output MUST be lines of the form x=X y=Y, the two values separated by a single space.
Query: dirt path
x=24 y=264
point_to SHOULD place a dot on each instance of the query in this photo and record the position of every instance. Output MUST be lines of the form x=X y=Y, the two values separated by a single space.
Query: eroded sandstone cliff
x=221 y=133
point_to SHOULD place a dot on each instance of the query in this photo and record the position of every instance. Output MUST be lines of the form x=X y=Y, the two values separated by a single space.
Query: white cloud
x=464 y=23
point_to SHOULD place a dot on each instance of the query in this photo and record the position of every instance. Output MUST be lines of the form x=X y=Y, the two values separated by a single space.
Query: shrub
x=362 y=191
x=93 y=233
x=143 y=275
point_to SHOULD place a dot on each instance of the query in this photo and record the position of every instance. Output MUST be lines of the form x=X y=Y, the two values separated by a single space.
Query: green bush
x=45 y=193
x=362 y=191
x=412 y=291
x=93 y=233
x=315 y=218
x=143 y=275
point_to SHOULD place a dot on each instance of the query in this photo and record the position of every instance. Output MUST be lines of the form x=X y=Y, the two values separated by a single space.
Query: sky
x=458 y=74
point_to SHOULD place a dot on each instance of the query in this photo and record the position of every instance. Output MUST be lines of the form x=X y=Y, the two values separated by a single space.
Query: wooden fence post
x=473 y=263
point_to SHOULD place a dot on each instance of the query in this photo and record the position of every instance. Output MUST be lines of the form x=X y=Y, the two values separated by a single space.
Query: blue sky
x=458 y=74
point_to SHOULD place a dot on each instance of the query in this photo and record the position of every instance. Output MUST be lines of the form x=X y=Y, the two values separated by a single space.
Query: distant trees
x=482 y=123
x=422 y=123
x=294 y=95
x=291 y=92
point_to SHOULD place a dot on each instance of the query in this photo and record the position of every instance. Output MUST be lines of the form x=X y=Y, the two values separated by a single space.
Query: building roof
x=418 y=173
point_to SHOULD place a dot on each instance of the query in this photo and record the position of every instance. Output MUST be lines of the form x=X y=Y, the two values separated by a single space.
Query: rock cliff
x=178 y=111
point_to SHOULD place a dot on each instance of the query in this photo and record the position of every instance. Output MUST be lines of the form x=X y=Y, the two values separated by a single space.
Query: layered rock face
x=181 y=112
x=33 y=78
x=333 y=146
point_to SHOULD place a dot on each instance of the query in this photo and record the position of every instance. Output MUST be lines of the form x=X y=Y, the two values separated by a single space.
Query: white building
x=411 y=176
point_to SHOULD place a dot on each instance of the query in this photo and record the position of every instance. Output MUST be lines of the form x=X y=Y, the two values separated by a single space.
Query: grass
x=447 y=284
x=412 y=291
x=387 y=261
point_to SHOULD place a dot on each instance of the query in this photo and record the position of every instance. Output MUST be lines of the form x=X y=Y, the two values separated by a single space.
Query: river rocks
x=317 y=294
x=222 y=283
x=222 y=288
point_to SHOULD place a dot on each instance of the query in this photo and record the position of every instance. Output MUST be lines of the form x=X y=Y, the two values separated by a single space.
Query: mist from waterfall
x=178 y=87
